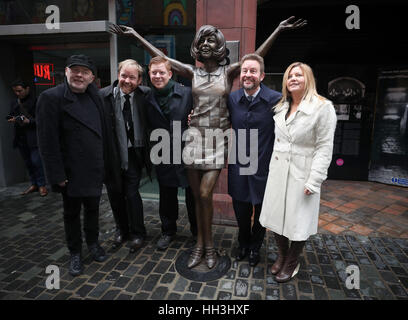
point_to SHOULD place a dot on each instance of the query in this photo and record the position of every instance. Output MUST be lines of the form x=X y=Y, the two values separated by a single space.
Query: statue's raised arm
x=283 y=26
x=185 y=70
x=233 y=71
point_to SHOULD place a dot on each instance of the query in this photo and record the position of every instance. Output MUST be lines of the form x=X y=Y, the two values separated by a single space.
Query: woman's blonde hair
x=310 y=84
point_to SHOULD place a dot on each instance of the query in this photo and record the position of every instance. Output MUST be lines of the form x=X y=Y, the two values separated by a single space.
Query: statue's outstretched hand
x=289 y=25
x=121 y=30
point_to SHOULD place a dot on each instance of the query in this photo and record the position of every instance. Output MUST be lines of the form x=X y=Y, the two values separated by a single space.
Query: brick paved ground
x=362 y=223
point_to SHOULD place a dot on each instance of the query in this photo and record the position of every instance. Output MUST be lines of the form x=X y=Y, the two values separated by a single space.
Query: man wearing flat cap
x=70 y=128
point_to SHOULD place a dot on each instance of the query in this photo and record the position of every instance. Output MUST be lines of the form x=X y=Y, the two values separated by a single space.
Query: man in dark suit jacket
x=128 y=150
x=251 y=108
x=169 y=104
x=22 y=115
x=70 y=126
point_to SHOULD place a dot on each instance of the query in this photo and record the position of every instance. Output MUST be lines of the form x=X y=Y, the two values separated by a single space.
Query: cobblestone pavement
x=32 y=238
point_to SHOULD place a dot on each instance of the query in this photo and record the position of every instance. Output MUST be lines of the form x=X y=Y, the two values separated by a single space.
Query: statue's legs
x=202 y=184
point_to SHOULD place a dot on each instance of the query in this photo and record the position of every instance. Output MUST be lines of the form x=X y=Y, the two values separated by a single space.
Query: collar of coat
x=177 y=90
x=263 y=94
x=306 y=106
x=138 y=90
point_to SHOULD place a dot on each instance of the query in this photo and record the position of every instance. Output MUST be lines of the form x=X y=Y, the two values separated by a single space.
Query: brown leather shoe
x=195 y=257
x=31 y=189
x=283 y=246
x=43 y=191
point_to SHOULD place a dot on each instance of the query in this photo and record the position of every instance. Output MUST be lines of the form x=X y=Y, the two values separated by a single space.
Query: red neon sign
x=43 y=74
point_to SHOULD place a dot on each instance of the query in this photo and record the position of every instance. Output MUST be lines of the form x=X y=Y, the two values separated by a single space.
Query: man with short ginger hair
x=169 y=104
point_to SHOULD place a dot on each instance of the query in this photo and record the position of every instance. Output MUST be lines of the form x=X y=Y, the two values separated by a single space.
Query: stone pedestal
x=237 y=21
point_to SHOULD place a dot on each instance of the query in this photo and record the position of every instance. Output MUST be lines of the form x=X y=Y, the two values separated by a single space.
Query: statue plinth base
x=201 y=273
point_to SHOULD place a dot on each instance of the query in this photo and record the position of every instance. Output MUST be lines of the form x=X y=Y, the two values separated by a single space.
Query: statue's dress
x=206 y=145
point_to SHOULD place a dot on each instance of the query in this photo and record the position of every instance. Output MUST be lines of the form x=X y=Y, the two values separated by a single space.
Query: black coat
x=25 y=132
x=113 y=166
x=71 y=146
x=181 y=103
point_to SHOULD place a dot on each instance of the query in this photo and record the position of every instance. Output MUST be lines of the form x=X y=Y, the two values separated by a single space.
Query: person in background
x=304 y=132
x=71 y=130
x=251 y=108
x=22 y=115
x=169 y=104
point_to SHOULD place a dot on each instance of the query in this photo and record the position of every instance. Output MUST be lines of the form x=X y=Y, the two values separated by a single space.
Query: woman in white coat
x=304 y=131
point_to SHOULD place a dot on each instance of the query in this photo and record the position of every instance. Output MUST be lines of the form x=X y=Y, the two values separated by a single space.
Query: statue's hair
x=207 y=30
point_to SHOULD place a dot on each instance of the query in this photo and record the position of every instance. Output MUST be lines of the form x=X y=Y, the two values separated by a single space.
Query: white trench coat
x=301 y=156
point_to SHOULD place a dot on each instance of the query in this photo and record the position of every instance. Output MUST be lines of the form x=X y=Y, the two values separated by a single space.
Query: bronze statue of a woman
x=211 y=85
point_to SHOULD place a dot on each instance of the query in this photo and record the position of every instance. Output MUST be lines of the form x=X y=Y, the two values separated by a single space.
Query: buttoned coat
x=171 y=174
x=71 y=146
x=255 y=115
x=301 y=156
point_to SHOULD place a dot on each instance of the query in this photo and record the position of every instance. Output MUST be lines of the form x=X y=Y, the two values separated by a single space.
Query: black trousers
x=117 y=201
x=127 y=206
x=168 y=210
x=72 y=221
x=134 y=204
x=249 y=237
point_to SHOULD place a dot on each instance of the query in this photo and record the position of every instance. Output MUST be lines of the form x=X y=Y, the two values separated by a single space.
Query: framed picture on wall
x=165 y=43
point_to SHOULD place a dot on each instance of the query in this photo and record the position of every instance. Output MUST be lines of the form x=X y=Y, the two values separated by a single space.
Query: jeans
x=32 y=159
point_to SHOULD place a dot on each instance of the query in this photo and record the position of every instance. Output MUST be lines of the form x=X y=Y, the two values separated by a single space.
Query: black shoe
x=118 y=239
x=241 y=254
x=97 y=253
x=254 y=258
x=135 y=244
x=75 y=265
x=164 y=242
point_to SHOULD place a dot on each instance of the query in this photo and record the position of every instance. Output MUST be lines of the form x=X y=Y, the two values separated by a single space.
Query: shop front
x=37 y=52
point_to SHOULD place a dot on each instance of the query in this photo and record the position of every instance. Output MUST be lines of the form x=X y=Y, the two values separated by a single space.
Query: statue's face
x=207 y=45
